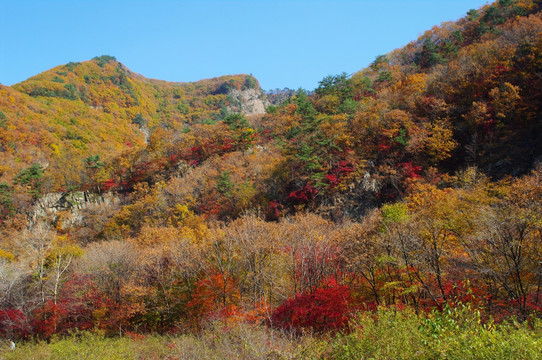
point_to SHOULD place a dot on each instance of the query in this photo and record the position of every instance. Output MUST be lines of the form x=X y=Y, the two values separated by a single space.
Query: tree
x=339 y=85
x=6 y=200
x=37 y=242
x=364 y=253
x=312 y=249
x=505 y=246
x=429 y=55
x=258 y=270
x=59 y=261
x=31 y=177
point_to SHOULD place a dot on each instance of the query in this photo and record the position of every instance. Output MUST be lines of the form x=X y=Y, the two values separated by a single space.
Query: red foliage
x=109 y=184
x=303 y=195
x=498 y=72
x=172 y=159
x=13 y=323
x=332 y=179
x=73 y=310
x=325 y=309
x=410 y=170
x=460 y=292
x=338 y=171
x=384 y=147
x=386 y=195
x=213 y=295
x=49 y=319
x=273 y=211
x=344 y=167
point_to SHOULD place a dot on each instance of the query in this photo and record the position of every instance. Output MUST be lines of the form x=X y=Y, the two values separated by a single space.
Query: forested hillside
x=131 y=205
x=64 y=116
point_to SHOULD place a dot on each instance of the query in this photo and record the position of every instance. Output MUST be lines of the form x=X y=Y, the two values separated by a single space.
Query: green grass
x=219 y=341
x=387 y=334
x=451 y=334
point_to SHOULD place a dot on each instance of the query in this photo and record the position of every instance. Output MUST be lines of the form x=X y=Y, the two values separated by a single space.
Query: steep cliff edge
x=249 y=101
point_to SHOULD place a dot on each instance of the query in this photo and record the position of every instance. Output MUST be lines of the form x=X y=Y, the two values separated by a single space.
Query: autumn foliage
x=134 y=206
x=325 y=309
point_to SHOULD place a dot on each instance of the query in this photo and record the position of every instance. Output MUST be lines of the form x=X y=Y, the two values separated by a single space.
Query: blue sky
x=283 y=43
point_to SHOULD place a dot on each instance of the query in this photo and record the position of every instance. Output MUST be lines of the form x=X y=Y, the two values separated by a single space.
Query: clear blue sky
x=283 y=43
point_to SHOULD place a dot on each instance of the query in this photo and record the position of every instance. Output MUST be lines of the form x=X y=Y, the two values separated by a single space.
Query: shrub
x=323 y=310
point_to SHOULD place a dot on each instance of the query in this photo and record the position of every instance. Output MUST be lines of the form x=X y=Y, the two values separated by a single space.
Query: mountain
x=138 y=205
x=99 y=107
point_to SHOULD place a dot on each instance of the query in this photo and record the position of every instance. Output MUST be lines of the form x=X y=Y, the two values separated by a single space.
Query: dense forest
x=405 y=197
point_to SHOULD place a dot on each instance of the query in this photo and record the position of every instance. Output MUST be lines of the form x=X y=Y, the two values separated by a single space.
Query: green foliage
x=307 y=155
x=32 y=178
x=305 y=107
x=208 y=121
x=6 y=201
x=385 y=76
x=183 y=108
x=335 y=84
x=3 y=120
x=58 y=79
x=403 y=138
x=250 y=83
x=473 y=14
x=226 y=87
x=449 y=49
x=104 y=59
x=224 y=184
x=71 y=92
x=349 y=106
x=71 y=65
x=218 y=341
x=394 y=213
x=429 y=55
x=505 y=3
x=493 y=15
x=236 y=121
x=380 y=59
x=139 y=120
x=385 y=334
x=366 y=85
x=93 y=162
x=457 y=36
x=452 y=334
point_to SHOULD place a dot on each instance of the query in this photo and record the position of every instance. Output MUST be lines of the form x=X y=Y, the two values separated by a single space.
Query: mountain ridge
x=99 y=107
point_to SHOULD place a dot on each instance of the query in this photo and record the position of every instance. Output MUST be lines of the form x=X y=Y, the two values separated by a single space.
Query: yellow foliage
x=440 y=143
x=337 y=129
x=6 y=255
x=504 y=98
x=157 y=235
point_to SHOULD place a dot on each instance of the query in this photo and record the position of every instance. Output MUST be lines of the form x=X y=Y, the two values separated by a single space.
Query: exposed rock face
x=248 y=102
x=50 y=205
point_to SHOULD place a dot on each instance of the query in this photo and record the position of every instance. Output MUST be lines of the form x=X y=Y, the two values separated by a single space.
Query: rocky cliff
x=249 y=101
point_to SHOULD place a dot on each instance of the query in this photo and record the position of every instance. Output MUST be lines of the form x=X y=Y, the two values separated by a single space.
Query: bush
x=325 y=309
x=455 y=333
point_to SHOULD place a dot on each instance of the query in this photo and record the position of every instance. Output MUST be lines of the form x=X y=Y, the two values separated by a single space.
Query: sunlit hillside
x=404 y=199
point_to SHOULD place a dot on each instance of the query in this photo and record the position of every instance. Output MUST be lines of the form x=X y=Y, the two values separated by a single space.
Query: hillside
x=99 y=107
x=137 y=205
